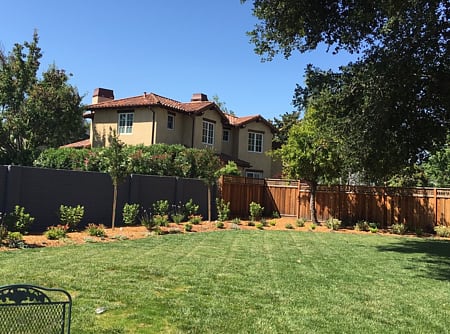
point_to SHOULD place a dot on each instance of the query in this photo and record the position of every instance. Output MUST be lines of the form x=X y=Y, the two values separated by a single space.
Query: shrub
x=256 y=211
x=313 y=226
x=289 y=226
x=220 y=224
x=190 y=209
x=272 y=223
x=195 y=219
x=373 y=229
x=161 y=208
x=300 y=222
x=398 y=228
x=96 y=230
x=161 y=220
x=188 y=227
x=15 y=239
x=259 y=226
x=236 y=221
x=264 y=221
x=147 y=220
x=18 y=220
x=130 y=213
x=223 y=209
x=333 y=224
x=442 y=231
x=71 y=215
x=56 y=232
x=177 y=218
x=362 y=226
x=275 y=214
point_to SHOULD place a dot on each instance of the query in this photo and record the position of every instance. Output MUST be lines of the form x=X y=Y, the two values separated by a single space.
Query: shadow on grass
x=434 y=263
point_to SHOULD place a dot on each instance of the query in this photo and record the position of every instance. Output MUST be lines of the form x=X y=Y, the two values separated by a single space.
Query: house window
x=171 y=121
x=208 y=133
x=125 y=122
x=255 y=174
x=255 y=142
x=226 y=135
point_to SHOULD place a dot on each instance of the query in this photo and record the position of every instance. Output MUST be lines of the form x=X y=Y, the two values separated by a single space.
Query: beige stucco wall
x=180 y=134
x=259 y=161
x=214 y=117
x=105 y=121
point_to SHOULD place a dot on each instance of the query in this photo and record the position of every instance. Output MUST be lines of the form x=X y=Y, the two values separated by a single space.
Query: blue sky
x=169 y=47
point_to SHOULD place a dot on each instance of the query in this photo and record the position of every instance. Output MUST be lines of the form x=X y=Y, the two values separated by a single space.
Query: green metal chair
x=31 y=309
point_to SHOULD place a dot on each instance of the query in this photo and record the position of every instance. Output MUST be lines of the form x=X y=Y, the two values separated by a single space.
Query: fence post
x=298 y=200
x=435 y=207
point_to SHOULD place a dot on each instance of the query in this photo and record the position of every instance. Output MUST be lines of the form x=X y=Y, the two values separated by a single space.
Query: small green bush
x=15 y=240
x=362 y=226
x=442 y=231
x=71 y=216
x=373 y=229
x=96 y=230
x=130 y=213
x=300 y=222
x=161 y=220
x=190 y=208
x=259 y=226
x=56 y=232
x=161 y=208
x=275 y=214
x=177 y=218
x=223 y=209
x=272 y=222
x=147 y=220
x=333 y=224
x=313 y=226
x=256 y=211
x=195 y=219
x=188 y=227
x=18 y=220
x=289 y=226
x=398 y=228
x=220 y=224
x=236 y=221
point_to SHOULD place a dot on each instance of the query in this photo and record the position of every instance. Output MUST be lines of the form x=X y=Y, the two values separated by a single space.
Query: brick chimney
x=102 y=95
x=196 y=97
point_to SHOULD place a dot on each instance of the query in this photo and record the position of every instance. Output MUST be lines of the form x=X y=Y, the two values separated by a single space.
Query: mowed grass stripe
x=248 y=282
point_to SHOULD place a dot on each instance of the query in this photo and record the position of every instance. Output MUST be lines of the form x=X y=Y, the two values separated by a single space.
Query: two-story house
x=150 y=118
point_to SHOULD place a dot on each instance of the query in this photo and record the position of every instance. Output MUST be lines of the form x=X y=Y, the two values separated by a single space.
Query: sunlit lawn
x=247 y=282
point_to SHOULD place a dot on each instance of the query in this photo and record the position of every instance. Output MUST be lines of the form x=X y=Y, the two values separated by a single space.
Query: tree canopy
x=392 y=104
x=35 y=113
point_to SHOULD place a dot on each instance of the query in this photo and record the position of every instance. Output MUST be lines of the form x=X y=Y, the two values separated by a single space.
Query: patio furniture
x=31 y=309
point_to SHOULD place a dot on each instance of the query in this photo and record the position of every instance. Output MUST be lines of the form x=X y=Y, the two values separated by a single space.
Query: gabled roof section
x=154 y=100
x=242 y=121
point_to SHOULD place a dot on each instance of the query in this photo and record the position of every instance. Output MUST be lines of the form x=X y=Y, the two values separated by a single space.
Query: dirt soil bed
x=138 y=232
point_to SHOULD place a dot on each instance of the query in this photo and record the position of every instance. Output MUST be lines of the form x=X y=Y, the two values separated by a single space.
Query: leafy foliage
x=130 y=213
x=71 y=216
x=35 y=113
x=56 y=232
x=256 y=211
x=223 y=209
x=392 y=105
x=18 y=220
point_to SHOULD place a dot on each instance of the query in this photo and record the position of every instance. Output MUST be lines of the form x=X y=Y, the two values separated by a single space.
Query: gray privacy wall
x=41 y=191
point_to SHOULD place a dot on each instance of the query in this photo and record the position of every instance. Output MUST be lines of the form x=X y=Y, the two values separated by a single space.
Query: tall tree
x=310 y=153
x=35 y=113
x=117 y=165
x=284 y=124
x=395 y=100
x=222 y=105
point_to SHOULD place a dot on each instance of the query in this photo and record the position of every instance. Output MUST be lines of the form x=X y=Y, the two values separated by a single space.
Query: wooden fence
x=415 y=207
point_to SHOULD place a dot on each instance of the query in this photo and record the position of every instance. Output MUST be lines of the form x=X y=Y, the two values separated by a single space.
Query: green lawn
x=247 y=282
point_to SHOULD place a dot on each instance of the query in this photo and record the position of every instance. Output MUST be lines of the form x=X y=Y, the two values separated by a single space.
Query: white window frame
x=125 y=123
x=227 y=139
x=207 y=132
x=172 y=116
x=255 y=142
x=254 y=174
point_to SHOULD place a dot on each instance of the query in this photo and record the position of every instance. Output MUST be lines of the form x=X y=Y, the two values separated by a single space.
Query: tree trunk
x=209 y=202
x=114 y=206
x=312 y=202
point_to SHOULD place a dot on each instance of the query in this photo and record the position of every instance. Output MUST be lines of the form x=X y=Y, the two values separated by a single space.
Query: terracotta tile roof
x=86 y=143
x=153 y=100
x=241 y=121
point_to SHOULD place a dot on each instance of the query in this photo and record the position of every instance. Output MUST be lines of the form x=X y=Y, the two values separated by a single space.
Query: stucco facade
x=151 y=119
